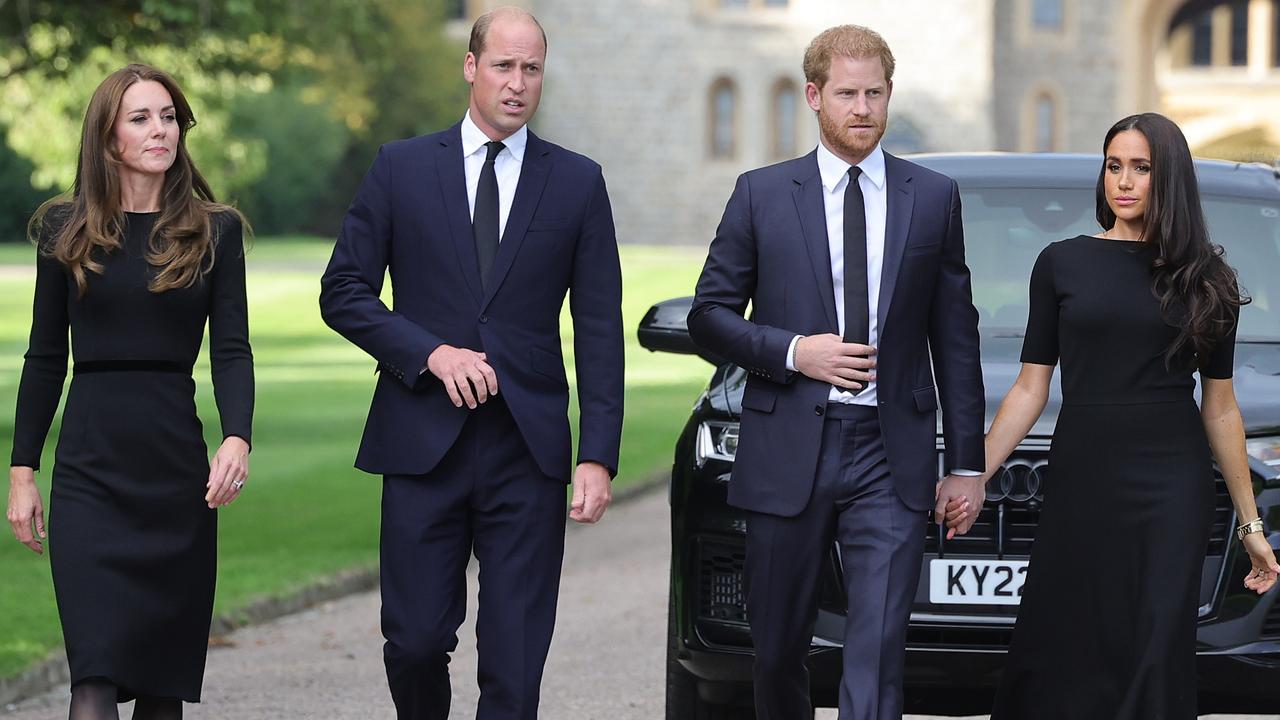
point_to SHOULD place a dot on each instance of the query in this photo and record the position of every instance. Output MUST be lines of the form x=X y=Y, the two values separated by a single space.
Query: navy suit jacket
x=771 y=250
x=411 y=217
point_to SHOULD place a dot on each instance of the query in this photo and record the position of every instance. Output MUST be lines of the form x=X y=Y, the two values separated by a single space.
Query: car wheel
x=683 y=701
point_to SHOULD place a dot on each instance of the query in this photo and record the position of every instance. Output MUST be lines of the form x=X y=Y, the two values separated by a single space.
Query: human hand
x=26 y=511
x=958 y=501
x=465 y=373
x=592 y=493
x=1262 y=577
x=829 y=358
x=227 y=471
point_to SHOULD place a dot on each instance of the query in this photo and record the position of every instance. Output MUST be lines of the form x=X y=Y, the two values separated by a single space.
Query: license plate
x=976 y=582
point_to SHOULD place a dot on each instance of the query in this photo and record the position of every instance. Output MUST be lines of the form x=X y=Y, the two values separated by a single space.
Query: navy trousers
x=486 y=496
x=854 y=504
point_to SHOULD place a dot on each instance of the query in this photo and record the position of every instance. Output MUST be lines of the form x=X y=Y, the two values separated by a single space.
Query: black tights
x=95 y=699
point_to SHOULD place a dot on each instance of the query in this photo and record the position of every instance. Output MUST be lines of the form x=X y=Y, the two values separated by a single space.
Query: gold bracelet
x=1249 y=528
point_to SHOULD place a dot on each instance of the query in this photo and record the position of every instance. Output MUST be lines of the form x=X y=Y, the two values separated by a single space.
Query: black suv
x=966 y=604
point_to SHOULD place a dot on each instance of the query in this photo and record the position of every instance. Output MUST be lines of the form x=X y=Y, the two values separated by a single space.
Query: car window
x=1006 y=228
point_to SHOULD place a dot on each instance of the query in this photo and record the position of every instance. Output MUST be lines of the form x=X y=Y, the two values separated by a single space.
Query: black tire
x=683 y=701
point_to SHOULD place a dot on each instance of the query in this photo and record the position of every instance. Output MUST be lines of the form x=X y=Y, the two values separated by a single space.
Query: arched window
x=1045 y=122
x=1047 y=14
x=784 y=107
x=723 y=126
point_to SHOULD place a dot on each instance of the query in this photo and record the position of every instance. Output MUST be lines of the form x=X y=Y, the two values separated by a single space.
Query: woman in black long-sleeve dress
x=134 y=263
x=1107 y=625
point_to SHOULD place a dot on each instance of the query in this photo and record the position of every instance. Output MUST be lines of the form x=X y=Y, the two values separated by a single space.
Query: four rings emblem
x=1019 y=481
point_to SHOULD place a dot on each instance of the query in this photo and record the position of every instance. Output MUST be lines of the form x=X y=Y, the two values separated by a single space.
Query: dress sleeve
x=45 y=364
x=1221 y=363
x=230 y=356
x=1040 y=343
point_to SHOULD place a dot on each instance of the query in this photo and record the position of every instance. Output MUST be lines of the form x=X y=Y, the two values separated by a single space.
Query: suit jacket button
x=484 y=319
x=819 y=410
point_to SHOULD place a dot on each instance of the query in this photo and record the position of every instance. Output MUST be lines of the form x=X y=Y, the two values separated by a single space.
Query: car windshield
x=1005 y=229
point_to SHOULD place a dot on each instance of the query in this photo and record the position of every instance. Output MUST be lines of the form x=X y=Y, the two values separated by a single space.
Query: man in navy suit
x=484 y=228
x=853 y=262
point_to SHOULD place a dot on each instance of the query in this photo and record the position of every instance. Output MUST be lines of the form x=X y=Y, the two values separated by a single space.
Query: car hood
x=1257 y=384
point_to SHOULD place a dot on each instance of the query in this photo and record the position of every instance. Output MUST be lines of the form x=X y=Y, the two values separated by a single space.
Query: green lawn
x=307 y=512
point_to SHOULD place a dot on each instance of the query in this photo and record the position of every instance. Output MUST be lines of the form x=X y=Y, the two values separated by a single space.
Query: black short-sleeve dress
x=1108 y=617
x=132 y=543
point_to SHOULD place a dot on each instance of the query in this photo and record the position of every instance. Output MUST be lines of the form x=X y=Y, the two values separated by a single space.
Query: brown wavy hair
x=1199 y=292
x=181 y=244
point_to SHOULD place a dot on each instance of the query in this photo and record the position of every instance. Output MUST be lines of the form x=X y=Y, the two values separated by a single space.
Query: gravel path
x=606 y=661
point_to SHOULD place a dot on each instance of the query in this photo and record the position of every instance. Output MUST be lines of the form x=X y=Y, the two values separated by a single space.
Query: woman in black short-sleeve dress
x=134 y=264
x=1107 y=625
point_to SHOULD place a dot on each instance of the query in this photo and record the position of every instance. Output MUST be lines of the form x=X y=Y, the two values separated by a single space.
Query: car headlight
x=717 y=440
x=1266 y=450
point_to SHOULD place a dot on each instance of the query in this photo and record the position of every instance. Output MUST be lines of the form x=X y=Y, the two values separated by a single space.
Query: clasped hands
x=958 y=500
x=470 y=380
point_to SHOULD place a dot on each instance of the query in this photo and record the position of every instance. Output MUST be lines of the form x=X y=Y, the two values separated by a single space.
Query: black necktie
x=484 y=223
x=857 y=315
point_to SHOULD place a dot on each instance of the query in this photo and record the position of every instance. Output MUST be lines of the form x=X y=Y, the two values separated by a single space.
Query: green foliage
x=302 y=144
x=17 y=198
x=334 y=83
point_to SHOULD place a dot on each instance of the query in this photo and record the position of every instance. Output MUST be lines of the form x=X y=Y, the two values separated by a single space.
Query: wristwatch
x=1249 y=528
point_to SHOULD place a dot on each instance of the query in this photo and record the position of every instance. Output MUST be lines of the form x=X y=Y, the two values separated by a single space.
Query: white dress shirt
x=835 y=178
x=506 y=166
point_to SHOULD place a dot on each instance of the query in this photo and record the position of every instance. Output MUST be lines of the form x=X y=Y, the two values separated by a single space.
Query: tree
x=357 y=74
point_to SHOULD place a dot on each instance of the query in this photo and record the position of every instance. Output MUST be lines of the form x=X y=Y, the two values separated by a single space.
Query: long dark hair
x=1198 y=291
x=181 y=243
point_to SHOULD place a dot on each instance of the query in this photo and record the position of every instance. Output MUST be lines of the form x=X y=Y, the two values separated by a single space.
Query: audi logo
x=1019 y=481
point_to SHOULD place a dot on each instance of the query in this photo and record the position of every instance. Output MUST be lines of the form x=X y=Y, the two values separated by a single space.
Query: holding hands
x=227 y=471
x=466 y=375
x=26 y=510
x=958 y=501
x=848 y=366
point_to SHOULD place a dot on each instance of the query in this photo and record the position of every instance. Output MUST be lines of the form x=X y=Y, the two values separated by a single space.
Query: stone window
x=1217 y=34
x=784 y=108
x=1240 y=32
x=456 y=10
x=1045 y=132
x=723 y=126
x=1046 y=14
x=1275 y=33
x=1202 y=40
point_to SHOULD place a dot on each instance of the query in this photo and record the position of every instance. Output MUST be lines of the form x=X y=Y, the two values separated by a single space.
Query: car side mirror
x=665 y=328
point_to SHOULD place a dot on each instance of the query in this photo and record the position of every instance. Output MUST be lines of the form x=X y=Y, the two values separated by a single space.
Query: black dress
x=132 y=543
x=1107 y=625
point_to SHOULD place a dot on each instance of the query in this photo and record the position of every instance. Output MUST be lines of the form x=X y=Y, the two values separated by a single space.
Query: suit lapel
x=899 y=199
x=533 y=178
x=813 y=223
x=453 y=186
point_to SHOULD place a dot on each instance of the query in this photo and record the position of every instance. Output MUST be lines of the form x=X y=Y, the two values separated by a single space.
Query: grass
x=308 y=513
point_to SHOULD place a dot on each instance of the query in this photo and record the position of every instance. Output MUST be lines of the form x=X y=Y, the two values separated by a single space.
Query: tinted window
x=1005 y=229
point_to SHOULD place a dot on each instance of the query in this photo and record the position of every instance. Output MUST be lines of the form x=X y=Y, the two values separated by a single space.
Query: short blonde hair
x=852 y=41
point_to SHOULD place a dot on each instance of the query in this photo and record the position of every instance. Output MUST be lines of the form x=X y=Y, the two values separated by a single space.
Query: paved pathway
x=606 y=662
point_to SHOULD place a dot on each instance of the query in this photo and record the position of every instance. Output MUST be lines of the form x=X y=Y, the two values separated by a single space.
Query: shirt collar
x=473 y=139
x=833 y=169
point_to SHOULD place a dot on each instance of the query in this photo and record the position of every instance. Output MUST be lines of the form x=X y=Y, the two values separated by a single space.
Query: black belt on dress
x=161 y=366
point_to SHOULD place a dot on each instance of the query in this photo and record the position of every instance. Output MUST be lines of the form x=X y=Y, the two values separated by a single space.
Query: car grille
x=1009 y=524
x=1009 y=518
x=721 y=595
